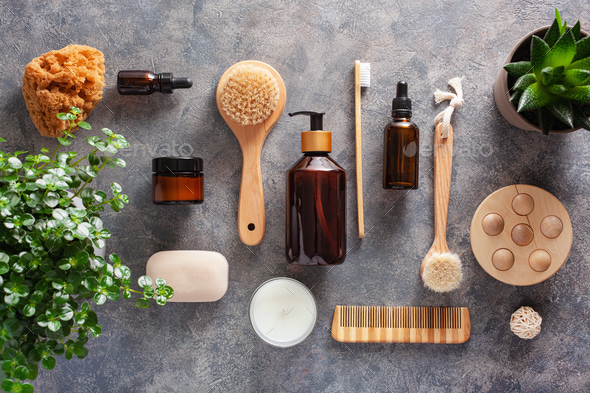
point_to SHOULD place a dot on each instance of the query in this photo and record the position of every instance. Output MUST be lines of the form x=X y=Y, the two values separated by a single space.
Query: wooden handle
x=359 y=148
x=443 y=167
x=251 y=216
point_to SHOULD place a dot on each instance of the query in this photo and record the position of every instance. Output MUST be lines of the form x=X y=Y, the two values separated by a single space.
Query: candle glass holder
x=282 y=312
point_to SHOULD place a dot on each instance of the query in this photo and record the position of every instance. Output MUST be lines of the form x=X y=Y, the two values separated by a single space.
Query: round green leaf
x=120 y=162
x=127 y=294
x=125 y=271
x=106 y=281
x=144 y=281
x=142 y=303
x=161 y=300
x=7 y=385
x=11 y=299
x=66 y=313
x=4 y=267
x=115 y=259
x=7 y=366
x=84 y=125
x=54 y=325
x=160 y=282
x=28 y=219
x=96 y=331
x=59 y=214
x=58 y=283
x=12 y=325
x=9 y=353
x=114 y=294
x=100 y=298
x=27 y=387
x=15 y=163
x=64 y=264
x=82 y=257
x=21 y=372
x=168 y=292
x=51 y=199
x=48 y=362
x=22 y=290
x=37 y=296
x=29 y=310
x=148 y=292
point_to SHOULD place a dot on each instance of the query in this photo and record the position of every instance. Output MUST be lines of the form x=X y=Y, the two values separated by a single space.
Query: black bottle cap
x=181 y=83
x=316 y=119
x=401 y=105
x=169 y=82
x=177 y=164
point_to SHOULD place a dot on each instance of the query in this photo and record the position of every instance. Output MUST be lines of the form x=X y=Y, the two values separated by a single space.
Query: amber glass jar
x=177 y=180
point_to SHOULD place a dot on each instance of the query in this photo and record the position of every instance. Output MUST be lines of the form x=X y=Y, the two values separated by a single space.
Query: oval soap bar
x=195 y=276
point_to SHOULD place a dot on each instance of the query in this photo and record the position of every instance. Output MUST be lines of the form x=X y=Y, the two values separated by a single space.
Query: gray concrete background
x=210 y=347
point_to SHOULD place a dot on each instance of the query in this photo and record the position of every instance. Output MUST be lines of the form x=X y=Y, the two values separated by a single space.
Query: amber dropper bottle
x=143 y=83
x=400 y=152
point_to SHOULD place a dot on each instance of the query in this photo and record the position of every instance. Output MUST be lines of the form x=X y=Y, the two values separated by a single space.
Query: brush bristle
x=250 y=95
x=365 y=74
x=442 y=272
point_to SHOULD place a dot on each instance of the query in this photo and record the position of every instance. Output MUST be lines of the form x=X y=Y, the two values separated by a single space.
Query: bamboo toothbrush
x=251 y=97
x=441 y=270
x=362 y=78
x=370 y=324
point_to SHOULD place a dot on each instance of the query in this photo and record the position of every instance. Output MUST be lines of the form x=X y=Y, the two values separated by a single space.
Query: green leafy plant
x=553 y=88
x=48 y=266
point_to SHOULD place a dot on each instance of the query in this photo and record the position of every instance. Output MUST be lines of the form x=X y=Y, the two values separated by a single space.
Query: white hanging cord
x=456 y=102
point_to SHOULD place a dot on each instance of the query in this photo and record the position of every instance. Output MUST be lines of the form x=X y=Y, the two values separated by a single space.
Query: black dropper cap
x=401 y=105
x=316 y=119
x=169 y=82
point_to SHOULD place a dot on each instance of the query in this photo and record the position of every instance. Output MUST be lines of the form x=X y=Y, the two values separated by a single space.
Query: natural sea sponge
x=56 y=80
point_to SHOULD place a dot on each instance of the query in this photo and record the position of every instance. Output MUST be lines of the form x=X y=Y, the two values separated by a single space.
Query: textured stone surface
x=211 y=347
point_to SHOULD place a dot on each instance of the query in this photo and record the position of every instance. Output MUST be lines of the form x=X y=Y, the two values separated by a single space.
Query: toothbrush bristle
x=365 y=74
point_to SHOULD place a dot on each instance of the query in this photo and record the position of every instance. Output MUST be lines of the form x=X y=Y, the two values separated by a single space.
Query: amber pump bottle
x=401 y=148
x=143 y=83
x=316 y=201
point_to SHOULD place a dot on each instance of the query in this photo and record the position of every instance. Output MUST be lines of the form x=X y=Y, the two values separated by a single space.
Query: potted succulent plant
x=48 y=266
x=545 y=82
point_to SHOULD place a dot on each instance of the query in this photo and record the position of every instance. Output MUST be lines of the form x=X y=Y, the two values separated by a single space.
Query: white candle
x=283 y=312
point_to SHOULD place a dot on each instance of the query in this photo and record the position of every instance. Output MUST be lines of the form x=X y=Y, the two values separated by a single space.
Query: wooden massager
x=521 y=235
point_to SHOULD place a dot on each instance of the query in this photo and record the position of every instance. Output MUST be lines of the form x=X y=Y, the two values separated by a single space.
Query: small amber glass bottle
x=177 y=180
x=400 y=151
x=141 y=83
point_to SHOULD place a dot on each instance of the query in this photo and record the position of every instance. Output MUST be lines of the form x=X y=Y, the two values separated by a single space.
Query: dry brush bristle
x=250 y=95
x=442 y=272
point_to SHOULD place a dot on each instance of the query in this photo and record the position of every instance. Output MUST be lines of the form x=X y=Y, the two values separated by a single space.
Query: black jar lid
x=177 y=164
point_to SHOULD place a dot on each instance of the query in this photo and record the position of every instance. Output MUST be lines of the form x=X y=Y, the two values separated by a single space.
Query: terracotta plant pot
x=520 y=52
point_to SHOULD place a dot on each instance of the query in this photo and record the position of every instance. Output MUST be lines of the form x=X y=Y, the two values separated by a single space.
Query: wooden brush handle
x=443 y=167
x=359 y=148
x=251 y=217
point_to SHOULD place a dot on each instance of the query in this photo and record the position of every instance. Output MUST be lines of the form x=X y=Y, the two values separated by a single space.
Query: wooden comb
x=376 y=324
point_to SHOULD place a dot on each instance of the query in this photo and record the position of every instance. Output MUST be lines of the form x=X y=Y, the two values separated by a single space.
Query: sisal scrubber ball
x=250 y=95
x=526 y=323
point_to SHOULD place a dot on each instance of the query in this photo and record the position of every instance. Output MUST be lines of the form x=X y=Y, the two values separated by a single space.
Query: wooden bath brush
x=251 y=97
x=441 y=270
